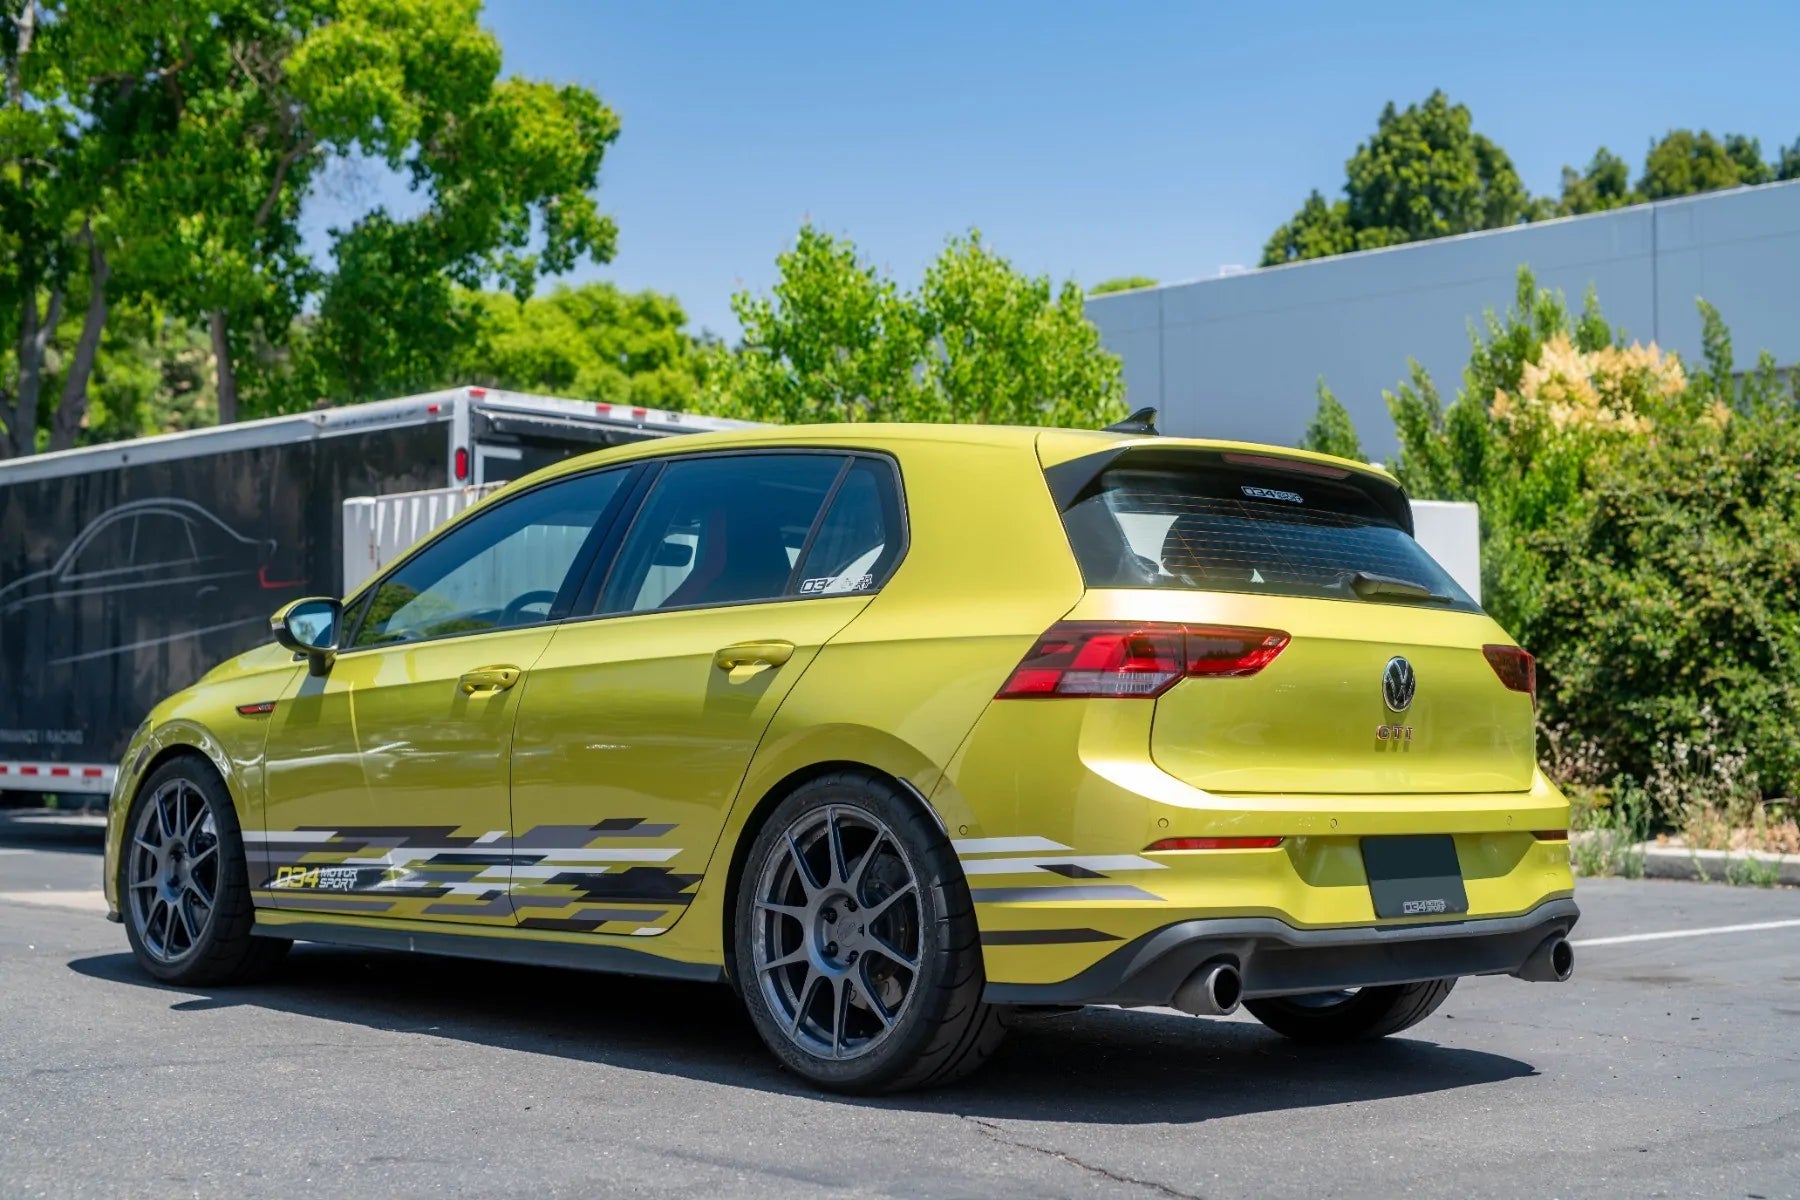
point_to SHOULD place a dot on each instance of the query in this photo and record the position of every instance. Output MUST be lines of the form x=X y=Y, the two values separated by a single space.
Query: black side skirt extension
x=615 y=960
x=1277 y=959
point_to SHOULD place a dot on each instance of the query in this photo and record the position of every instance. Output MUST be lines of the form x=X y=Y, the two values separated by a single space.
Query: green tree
x=158 y=153
x=1331 y=430
x=591 y=342
x=1605 y=183
x=1124 y=283
x=977 y=341
x=1683 y=163
x=1424 y=174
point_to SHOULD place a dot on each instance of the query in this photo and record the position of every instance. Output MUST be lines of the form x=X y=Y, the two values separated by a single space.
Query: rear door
x=1383 y=686
x=638 y=724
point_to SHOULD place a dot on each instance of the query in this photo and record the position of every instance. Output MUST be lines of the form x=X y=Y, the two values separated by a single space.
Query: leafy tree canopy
x=159 y=154
x=837 y=340
x=1425 y=173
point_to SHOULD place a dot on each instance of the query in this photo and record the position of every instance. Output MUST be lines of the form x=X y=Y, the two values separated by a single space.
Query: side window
x=859 y=540
x=500 y=569
x=109 y=549
x=163 y=539
x=723 y=530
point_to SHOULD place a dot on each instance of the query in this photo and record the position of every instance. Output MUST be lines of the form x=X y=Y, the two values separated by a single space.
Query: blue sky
x=1084 y=140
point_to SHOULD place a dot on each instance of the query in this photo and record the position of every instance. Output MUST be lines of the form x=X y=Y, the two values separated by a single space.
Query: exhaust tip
x=1215 y=989
x=1552 y=962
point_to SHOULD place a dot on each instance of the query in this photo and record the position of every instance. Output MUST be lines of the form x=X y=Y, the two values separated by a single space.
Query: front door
x=640 y=721
x=386 y=780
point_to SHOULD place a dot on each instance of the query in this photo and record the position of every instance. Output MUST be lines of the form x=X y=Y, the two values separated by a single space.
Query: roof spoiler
x=1141 y=421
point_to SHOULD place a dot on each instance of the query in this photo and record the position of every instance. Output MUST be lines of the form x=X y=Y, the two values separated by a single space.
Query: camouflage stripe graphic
x=570 y=878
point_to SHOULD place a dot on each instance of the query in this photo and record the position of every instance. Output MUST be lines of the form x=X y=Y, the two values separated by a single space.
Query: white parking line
x=1684 y=933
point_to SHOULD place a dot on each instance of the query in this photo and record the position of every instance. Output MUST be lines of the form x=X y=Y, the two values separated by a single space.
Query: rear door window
x=722 y=529
x=1226 y=530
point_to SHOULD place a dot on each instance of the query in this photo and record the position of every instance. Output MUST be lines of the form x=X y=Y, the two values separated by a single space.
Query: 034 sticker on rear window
x=1263 y=493
x=861 y=583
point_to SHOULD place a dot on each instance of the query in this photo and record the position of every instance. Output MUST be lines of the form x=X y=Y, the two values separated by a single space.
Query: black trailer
x=129 y=569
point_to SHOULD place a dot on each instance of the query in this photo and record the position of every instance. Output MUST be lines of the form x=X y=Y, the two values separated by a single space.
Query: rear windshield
x=1223 y=530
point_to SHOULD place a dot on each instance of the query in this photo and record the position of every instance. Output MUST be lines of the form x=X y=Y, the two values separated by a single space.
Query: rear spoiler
x=1075 y=479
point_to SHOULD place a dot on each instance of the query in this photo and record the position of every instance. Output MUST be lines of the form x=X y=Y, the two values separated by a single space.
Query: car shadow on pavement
x=48 y=829
x=1104 y=1066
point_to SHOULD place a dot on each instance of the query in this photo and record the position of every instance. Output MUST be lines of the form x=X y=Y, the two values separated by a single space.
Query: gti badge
x=1398 y=684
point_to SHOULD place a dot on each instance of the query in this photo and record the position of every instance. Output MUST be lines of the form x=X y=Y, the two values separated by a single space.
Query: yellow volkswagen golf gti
x=895 y=729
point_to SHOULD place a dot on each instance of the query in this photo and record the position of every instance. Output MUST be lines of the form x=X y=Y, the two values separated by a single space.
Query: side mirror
x=310 y=626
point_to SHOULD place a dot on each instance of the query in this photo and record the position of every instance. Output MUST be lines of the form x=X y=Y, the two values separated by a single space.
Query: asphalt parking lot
x=1669 y=1067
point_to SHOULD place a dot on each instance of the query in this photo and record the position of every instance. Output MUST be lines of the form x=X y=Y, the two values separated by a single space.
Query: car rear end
x=1272 y=735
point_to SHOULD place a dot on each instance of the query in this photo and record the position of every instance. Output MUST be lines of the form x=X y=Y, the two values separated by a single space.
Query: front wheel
x=183 y=884
x=1351 y=1015
x=856 y=947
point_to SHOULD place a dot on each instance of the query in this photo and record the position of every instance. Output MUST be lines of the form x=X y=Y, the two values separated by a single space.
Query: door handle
x=488 y=679
x=745 y=659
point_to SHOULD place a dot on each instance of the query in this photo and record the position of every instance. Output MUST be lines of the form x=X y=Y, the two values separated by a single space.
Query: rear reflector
x=1122 y=658
x=1214 y=843
x=1516 y=668
x=1550 y=835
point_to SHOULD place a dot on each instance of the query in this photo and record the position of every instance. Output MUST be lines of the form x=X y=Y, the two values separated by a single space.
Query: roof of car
x=1052 y=446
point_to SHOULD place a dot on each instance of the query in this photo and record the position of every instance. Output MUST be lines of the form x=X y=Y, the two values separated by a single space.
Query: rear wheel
x=856 y=948
x=183 y=884
x=1349 y=1015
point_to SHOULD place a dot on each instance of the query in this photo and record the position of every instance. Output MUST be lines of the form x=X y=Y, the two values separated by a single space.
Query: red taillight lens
x=1516 y=669
x=1214 y=843
x=462 y=463
x=1117 y=658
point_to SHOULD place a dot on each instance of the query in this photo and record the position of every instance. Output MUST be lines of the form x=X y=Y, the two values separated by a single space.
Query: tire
x=832 y=946
x=1371 y=1012
x=182 y=845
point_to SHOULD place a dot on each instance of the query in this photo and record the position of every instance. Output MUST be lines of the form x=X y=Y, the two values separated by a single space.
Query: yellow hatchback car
x=896 y=729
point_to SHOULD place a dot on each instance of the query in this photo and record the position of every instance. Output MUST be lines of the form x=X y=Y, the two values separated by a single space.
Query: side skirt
x=537 y=952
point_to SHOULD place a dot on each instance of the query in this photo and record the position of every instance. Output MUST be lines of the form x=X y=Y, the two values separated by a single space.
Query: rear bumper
x=1277 y=959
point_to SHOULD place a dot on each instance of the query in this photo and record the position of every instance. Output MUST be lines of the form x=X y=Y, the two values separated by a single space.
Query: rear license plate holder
x=1414 y=876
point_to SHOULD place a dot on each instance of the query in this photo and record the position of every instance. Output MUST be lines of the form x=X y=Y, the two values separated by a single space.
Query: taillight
x=1121 y=658
x=461 y=465
x=1516 y=668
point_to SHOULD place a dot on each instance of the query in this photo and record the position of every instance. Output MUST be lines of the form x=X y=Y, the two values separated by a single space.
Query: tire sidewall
x=935 y=869
x=232 y=872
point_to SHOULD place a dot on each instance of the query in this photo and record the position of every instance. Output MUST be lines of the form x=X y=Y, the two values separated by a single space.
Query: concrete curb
x=1675 y=862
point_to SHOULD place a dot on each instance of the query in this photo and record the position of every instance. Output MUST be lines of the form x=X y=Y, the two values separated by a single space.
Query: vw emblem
x=1398 y=684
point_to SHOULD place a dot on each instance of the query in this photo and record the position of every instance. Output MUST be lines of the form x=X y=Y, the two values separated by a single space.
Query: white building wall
x=1239 y=356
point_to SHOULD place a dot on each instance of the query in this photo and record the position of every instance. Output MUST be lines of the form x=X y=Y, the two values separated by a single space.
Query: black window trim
x=566 y=595
x=604 y=566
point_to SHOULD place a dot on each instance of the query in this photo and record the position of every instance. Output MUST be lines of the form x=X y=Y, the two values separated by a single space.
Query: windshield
x=1225 y=530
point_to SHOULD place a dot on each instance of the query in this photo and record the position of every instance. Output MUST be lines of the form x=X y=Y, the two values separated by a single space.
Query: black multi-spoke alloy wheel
x=1353 y=1014
x=183 y=887
x=856 y=948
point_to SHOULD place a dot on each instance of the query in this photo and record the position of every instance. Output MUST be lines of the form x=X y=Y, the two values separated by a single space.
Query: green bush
x=1640 y=531
x=1672 y=592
